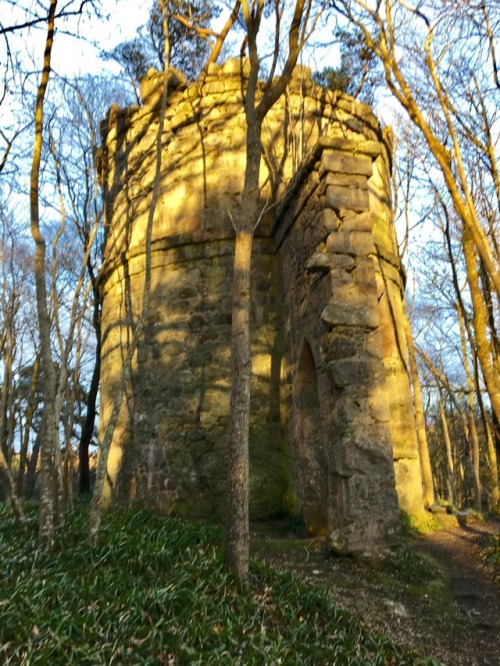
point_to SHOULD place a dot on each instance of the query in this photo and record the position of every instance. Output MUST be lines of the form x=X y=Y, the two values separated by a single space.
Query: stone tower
x=332 y=435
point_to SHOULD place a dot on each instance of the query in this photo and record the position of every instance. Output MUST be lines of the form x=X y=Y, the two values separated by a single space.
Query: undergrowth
x=412 y=525
x=491 y=556
x=154 y=591
x=409 y=567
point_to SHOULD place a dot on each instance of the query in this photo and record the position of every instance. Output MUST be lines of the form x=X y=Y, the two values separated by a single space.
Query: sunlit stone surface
x=332 y=435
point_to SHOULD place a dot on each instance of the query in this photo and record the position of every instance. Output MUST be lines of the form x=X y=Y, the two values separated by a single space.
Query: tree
x=303 y=19
x=49 y=453
x=188 y=26
x=445 y=86
x=105 y=444
x=358 y=74
x=48 y=507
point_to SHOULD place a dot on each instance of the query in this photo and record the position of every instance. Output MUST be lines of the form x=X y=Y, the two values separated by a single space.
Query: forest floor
x=433 y=595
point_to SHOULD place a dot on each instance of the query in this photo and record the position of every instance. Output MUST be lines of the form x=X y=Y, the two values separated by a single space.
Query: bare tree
x=105 y=444
x=304 y=17
x=49 y=454
x=428 y=60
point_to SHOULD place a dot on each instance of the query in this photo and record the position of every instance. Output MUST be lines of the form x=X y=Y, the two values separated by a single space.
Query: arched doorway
x=311 y=462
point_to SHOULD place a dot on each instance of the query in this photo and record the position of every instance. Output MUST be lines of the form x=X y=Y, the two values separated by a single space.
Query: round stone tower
x=331 y=429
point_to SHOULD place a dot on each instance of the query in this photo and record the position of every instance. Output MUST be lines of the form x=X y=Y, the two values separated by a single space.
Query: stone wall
x=330 y=392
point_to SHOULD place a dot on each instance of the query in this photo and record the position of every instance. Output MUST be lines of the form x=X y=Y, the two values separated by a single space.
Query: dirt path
x=434 y=596
x=476 y=640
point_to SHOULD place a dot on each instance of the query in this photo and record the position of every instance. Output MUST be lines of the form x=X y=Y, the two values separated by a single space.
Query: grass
x=412 y=526
x=155 y=592
x=490 y=555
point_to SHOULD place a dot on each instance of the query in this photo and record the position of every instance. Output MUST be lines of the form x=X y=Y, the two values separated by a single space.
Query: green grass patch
x=154 y=591
x=416 y=526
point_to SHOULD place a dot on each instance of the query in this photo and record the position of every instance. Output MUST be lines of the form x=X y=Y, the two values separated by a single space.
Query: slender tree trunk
x=32 y=404
x=493 y=464
x=105 y=445
x=237 y=536
x=474 y=439
x=450 y=467
x=88 y=426
x=479 y=322
x=29 y=490
x=490 y=446
x=10 y=487
x=423 y=447
x=48 y=508
x=6 y=394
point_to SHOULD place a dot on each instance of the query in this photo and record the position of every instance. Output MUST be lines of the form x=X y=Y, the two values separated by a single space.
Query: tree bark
x=105 y=444
x=48 y=508
x=10 y=488
x=479 y=323
x=423 y=447
x=472 y=420
x=32 y=405
x=450 y=467
x=236 y=545
x=237 y=523
x=88 y=426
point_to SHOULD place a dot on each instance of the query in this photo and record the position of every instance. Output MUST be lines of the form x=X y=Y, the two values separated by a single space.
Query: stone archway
x=311 y=462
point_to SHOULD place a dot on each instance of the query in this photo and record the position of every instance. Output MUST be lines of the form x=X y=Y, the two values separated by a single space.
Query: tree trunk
x=10 y=488
x=423 y=447
x=88 y=426
x=493 y=464
x=32 y=405
x=479 y=323
x=450 y=467
x=237 y=536
x=48 y=508
x=472 y=420
x=490 y=445
x=6 y=395
x=105 y=445
x=29 y=490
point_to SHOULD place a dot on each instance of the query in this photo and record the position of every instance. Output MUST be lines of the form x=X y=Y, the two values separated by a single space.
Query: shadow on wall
x=170 y=445
x=310 y=459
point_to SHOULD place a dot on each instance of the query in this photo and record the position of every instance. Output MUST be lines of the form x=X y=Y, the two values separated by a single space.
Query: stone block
x=347 y=163
x=346 y=180
x=351 y=308
x=338 y=197
x=342 y=346
x=357 y=243
x=409 y=485
x=378 y=405
x=364 y=273
x=318 y=263
x=330 y=220
x=236 y=66
x=351 y=221
x=343 y=262
x=356 y=372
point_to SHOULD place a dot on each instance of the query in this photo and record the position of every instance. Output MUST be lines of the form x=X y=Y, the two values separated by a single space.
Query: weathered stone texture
x=330 y=391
